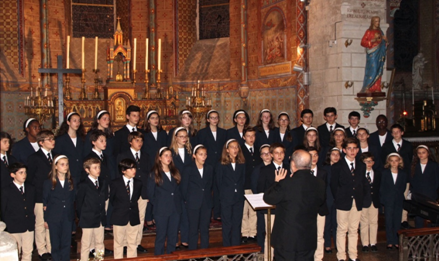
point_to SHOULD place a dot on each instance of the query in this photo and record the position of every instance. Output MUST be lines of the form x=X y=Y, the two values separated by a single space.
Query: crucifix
x=60 y=71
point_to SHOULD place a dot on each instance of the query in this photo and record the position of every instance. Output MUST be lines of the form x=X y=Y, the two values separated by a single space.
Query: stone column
x=333 y=62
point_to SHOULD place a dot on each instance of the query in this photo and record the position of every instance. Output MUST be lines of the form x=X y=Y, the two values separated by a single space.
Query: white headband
x=265 y=110
x=70 y=114
x=179 y=129
x=228 y=142
x=162 y=149
x=239 y=112
x=312 y=128
x=150 y=112
x=284 y=113
x=422 y=146
x=335 y=148
x=186 y=111
x=197 y=147
x=59 y=157
x=264 y=146
x=209 y=112
x=393 y=154
x=340 y=129
x=100 y=113
x=28 y=121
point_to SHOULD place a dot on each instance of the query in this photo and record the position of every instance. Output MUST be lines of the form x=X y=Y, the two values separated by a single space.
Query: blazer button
x=26 y=215
x=352 y=197
x=24 y=199
x=371 y=193
x=202 y=189
x=129 y=209
x=24 y=207
x=64 y=206
x=353 y=188
x=172 y=194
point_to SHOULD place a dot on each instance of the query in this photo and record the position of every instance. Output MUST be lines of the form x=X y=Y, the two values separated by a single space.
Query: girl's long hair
x=53 y=175
x=225 y=159
x=328 y=156
x=174 y=144
x=192 y=129
x=94 y=126
x=400 y=165
x=332 y=139
x=157 y=170
x=317 y=143
x=259 y=126
x=288 y=135
x=147 y=126
x=416 y=161
x=64 y=128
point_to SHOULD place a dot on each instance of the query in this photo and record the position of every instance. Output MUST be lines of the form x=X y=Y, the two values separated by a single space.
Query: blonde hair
x=400 y=165
x=53 y=175
x=174 y=144
x=225 y=159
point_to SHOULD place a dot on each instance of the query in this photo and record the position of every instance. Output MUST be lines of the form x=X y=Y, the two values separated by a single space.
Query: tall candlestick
x=31 y=92
x=432 y=93
x=134 y=54
x=160 y=54
x=146 y=54
x=413 y=96
x=68 y=52
x=82 y=53
x=96 y=53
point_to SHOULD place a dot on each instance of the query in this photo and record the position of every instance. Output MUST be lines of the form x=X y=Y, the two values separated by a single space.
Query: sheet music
x=257 y=202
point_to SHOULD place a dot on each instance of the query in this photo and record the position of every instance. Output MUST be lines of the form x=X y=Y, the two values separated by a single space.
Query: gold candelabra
x=134 y=78
x=40 y=106
x=83 y=95
x=159 y=94
x=146 y=94
x=198 y=103
x=68 y=94
x=96 y=93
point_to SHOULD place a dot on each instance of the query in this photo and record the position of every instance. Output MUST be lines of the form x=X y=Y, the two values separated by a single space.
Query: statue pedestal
x=368 y=100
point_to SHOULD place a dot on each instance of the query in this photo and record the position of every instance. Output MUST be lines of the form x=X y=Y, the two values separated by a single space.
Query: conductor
x=297 y=201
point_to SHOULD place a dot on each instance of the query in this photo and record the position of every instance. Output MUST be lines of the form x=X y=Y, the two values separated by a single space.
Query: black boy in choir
x=393 y=185
x=59 y=210
x=121 y=144
x=39 y=165
x=252 y=159
x=135 y=139
x=154 y=135
x=92 y=193
x=186 y=121
x=230 y=179
x=213 y=138
x=325 y=130
x=181 y=157
x=28 y=145
x=196 y=187
x=5 y=159
x=125 y=191
x=320 y=173
x=382 y=135
x=165 y=195
x=283 y=135
x=353 y=119
x=17 y=208
x=424 y=179
x=241 y=120
x=264 y=128
x=70 y=142
x=306 y=117
x=371 y=204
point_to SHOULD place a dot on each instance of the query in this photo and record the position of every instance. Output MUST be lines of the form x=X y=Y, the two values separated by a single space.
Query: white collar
x=134 y=152
x=349 y=162
x=248 y=147
x=304 y=126
x=329 y=126
x=129 y=127
x=2 y=155
x=92 y=179
x=97 y=152
x=18 y=186
x=125 y=179
x=45 y=151
x=352 y=129
x=277 y=166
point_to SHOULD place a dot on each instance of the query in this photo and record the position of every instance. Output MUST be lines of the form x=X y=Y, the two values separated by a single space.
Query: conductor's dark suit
x=90 y=203
x=166 y=200
x=197 y=193
x=298 y=200
x=267 y=177
x=321 y=174
x=325 y=135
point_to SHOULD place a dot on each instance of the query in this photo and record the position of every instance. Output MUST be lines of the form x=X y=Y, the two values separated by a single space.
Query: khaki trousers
x=318 y=255
x=92 y=241
x=42 y=236
x=347 y=221
x=248 y=228
x=142 y=203
x=266 y=243
x=126 y=233
x=92 y=236
x=369 y=226
x=25 y=244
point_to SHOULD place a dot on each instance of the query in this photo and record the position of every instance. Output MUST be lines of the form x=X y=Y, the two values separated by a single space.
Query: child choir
x=180 y=180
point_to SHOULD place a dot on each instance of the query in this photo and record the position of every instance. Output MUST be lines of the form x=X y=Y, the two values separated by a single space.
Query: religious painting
x=273 y=37
x=119 y=109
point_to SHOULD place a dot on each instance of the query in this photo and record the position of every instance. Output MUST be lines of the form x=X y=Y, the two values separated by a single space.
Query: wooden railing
x=245 y=252
x=419 y=244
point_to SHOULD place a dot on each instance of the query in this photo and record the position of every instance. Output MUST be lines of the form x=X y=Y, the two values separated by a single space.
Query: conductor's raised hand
x=280 y=174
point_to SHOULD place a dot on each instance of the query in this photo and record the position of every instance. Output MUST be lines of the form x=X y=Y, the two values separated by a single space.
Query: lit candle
x=31 y=92
x=135 y=47
x=146 y=54
x=160 y=54
x=96 y=53
x=45 y=92
x=83 y=56
x=68 y=52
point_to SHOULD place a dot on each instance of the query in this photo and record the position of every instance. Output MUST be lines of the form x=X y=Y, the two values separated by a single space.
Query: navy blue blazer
x=57 y=201
x=267 y=177
x=324 y=135
x=376 y=154
x=38 y=169
x=349 y=133
x=298 y=133
x=192 y=139
x=107 y=169
x=88 y=145
x=152 y=146
x=261 y=137
x=142 y=169
x=346 y=186
x=22 y=150
x=250 y=163
x=197 y=190
x=374 y=190
x=393 y=193
x=329 y=196
x=375 y=140
x=64 y=145
x=121 y=143
x=166 y=198
x=255 y=177
x=406 y=152
x=426 y=183
x=214 y=147
x=17 y=209
x=233 y=133
x=90 y=203
x=287 y=144
x=178 y=162
x=230 y=183
x=5 y=174
x=125 y=209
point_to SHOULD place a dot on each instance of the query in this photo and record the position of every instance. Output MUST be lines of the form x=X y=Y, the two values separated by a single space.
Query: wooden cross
x=60 y=71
